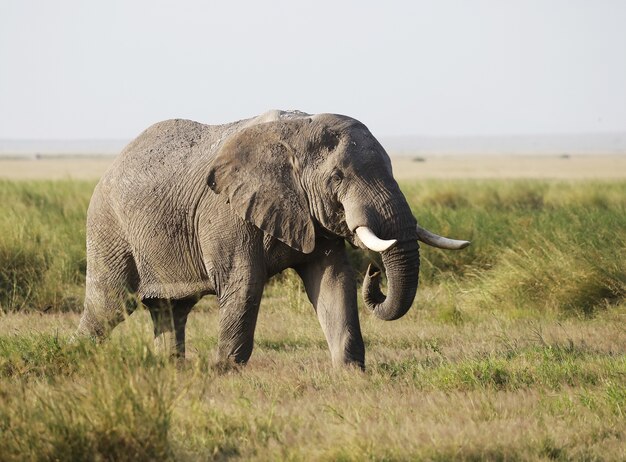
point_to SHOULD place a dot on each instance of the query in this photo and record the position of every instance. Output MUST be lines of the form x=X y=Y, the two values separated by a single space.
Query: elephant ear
x=259 y=174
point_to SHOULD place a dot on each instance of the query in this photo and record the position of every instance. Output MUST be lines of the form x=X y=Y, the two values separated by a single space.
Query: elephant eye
x=336 y=177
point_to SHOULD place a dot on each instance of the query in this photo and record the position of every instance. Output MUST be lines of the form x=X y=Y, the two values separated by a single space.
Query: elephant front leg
x=238 y=316
x=331 y=288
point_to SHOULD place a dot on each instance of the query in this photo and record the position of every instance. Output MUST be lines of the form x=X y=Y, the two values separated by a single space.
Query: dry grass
x=493 y=388
x=518 y=167
x=61 y=168
x=405 y=168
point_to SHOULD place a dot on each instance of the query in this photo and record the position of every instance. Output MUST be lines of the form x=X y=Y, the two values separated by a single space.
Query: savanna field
x=515 y=348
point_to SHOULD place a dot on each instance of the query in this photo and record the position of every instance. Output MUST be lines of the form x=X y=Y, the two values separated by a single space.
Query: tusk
x=372 y=241
x=439 y=241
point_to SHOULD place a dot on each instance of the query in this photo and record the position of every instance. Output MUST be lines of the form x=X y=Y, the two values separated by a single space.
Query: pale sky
x=108 y=69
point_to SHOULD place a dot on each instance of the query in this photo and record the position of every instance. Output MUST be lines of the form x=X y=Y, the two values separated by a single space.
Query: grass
x=515 y=348
x=538 y=246
x=42 y=249
x=491 y=389
x=555 y=247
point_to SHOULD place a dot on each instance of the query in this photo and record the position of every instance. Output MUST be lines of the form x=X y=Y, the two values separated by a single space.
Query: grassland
x=407 y=168
x=515 y=348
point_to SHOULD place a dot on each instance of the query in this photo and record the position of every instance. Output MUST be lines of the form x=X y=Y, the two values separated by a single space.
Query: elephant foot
x=353 y=365
x=226 y=366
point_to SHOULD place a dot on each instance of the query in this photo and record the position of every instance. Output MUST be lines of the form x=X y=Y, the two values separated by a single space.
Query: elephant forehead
x=366 y=162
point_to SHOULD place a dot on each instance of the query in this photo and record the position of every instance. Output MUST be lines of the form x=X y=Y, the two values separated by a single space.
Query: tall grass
x=538 y=246
x=73 y=403
x=42 y=244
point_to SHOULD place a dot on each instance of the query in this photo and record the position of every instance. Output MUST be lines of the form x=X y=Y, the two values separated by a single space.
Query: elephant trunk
x=402 y=267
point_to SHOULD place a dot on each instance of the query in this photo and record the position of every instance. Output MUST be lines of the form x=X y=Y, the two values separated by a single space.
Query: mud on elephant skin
x=189 y=209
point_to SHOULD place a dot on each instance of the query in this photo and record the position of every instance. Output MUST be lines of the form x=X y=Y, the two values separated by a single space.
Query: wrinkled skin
x=189 y=209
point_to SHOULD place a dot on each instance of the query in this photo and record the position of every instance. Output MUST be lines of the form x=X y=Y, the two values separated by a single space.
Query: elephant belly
x=168 y=266
x=171 y=283
x=167 y=278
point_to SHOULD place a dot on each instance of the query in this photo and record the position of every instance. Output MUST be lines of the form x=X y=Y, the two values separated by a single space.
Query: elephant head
x=326 y=175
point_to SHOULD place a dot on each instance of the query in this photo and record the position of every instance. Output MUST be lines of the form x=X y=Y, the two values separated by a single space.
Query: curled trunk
x=402 y=268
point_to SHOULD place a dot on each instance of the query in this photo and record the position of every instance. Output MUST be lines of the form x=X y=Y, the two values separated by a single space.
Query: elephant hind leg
x=170 y=319
x=109 y=292
x=106 y=305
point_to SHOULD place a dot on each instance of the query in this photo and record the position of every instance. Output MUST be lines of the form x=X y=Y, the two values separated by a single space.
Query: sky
x=75 y=69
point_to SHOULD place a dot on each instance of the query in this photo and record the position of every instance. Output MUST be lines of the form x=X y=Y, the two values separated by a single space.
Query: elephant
x=188 y=209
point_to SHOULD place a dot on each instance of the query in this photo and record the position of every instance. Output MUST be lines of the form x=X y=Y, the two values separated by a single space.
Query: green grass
x=554 y=247
x=538 y=246
x=42 y=244
x=515 y=348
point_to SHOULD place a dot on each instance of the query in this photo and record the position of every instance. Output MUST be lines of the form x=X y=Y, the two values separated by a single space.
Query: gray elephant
x=189 y=209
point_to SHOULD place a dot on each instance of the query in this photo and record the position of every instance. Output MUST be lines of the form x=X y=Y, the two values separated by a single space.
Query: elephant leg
x=105 y=307
x=170 y=319
x=239 y=308
x=111 y=280
x=331 y=288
